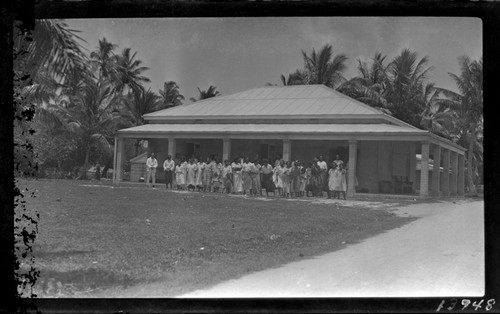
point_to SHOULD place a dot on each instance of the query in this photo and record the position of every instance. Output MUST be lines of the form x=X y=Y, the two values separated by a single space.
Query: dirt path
x=441 y=254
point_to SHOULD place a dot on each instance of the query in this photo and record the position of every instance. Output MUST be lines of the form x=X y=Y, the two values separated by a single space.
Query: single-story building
x=301 y=122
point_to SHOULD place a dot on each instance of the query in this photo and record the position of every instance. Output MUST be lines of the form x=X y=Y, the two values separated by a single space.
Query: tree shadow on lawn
x=59 y=254
x=71 y=283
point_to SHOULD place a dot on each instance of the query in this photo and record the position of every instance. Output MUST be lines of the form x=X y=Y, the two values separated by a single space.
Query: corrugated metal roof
x=270 y=128
x=274 y=101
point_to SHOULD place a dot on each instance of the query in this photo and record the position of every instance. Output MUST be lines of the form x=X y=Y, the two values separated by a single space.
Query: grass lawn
x=94 y=239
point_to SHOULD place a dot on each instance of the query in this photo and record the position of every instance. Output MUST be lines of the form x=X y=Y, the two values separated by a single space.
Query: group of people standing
x=242 y=176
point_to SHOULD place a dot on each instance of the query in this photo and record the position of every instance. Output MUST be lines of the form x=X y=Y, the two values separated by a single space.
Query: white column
x=287 y=149
x=424 y=170
x=436 y=178
x=461 y=177
x=171 y=147
x=445 y=181
x=119 y=156
x=114 y=160
x=226 y=148
x=351 y=180
x=454 y=173
x=413 y=166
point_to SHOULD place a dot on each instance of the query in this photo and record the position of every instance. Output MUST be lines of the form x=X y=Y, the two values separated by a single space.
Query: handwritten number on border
x=477 y=305
x=489 y=304
x=465 y=303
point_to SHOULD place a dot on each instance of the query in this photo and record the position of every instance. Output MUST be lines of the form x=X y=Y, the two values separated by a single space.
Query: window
x=267 y=151
x=192 y=149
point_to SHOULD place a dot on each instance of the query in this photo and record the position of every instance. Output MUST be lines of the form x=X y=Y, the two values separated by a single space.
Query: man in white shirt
x=151 y=165
x=323 y=174
x=169 y=166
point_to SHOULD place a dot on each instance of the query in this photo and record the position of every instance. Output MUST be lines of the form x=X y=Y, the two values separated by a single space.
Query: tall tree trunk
x=83 y=169
x=470 y=160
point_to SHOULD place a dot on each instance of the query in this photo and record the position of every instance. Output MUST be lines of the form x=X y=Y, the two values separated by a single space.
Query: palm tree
x=129 y=71
x=140 y=102
x=437 y=116
x=296 y=78
x=370 y=85
x=323 y=67
x=407 y=76
x=170 y=95
x=468 y=104
x=94 y=116
x=105 y=59
x=43 y=59
x=50 y=46
x=137 y=103
x=204 y=94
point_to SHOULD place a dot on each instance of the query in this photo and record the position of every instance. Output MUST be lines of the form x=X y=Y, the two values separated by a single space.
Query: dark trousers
x=169 y=176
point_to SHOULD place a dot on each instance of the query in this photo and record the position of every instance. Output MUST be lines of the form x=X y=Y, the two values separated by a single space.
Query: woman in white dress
x=286 y=178
x=191 y=168
x=236 y=166
x=180 y=177
x=336 y=181
x=200 y=165
x=279 y=173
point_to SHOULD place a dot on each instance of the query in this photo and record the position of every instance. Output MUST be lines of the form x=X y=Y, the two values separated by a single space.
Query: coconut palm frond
x=170 y=95
x=53 y=48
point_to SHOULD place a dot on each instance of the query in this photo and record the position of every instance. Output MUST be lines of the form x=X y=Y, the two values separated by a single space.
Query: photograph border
x=488 y=12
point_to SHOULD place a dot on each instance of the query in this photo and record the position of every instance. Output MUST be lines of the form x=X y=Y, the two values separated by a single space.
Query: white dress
x=199 y=172
x=237 y=179
x=336 y=180
x=280 y=173
x=180 y=178
x=190 y=174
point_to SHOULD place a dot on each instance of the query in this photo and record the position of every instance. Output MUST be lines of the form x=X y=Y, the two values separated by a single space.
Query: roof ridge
x=385 y=115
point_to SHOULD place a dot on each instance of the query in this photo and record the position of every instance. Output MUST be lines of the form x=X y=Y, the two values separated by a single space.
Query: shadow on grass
x=63 y=254
x=55 y=283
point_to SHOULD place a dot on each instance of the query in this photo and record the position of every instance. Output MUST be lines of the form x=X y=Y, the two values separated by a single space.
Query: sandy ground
x=440 y=254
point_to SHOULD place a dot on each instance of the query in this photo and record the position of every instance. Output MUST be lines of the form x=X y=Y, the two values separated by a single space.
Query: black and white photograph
x=252 y=157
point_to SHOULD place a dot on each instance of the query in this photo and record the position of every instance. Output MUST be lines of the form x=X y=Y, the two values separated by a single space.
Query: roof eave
x=440 y=140
x=268 y=117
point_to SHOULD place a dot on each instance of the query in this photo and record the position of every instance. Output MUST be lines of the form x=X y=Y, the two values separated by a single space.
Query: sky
x=237 y=54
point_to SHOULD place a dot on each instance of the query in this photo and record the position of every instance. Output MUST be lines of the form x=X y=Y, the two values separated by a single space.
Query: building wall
x=201 y=148
x=160 y=148
x=251 y=148
x=367 y=166
x=381 y=161
x=137 y=170
x=305 y=151
x=185 y=147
